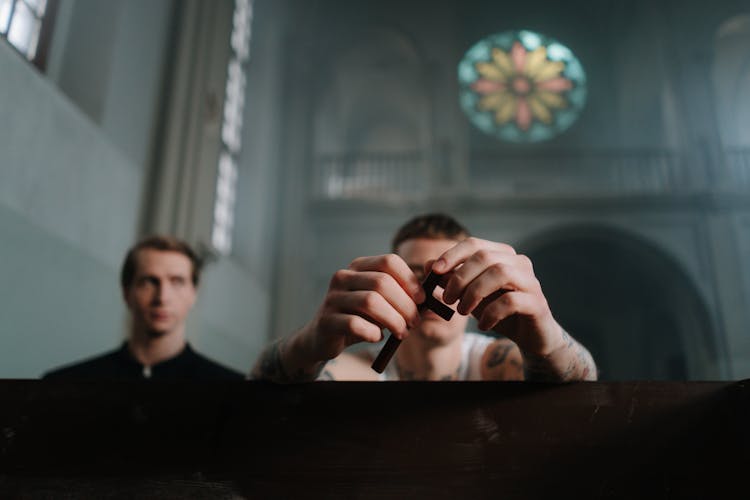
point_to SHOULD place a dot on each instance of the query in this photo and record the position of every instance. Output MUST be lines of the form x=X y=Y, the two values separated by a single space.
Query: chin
x=155 y=332
x=437 y=334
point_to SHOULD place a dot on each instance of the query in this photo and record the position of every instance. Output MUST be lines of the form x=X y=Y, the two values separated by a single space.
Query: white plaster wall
x=109 y=58
x=73 y=181
x=68 y=207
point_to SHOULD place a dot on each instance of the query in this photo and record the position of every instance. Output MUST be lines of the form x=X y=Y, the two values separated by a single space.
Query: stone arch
x=628 y=301
x=371 y=94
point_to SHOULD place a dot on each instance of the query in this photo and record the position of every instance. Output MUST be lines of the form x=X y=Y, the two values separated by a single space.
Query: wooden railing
x=374 y=440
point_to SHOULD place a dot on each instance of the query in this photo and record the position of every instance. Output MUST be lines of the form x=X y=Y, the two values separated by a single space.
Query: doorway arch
x=628 y=301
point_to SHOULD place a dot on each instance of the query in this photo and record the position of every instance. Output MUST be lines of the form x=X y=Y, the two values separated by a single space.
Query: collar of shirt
x=171 y=366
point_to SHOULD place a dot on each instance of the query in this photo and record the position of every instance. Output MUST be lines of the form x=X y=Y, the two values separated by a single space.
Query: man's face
x=416 y=253
x=162 y=292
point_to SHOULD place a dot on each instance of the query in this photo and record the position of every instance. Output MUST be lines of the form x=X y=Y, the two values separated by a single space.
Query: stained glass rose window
x=521 y=86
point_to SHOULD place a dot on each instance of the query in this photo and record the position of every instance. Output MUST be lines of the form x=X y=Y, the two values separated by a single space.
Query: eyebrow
x=168 y=276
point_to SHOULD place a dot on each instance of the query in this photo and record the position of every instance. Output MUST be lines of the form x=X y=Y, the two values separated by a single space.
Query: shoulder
x=353 y=366
x=96 y=366
x=502 y=360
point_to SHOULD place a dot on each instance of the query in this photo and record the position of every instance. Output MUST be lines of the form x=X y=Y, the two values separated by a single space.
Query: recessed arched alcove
x=371 y=133
x=730 y=72
x=628 y=301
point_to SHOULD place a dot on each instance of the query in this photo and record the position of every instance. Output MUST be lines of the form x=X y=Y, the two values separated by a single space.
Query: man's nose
x=161 y=293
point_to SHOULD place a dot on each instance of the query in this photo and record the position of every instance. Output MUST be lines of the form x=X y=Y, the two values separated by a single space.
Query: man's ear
x=124 y=291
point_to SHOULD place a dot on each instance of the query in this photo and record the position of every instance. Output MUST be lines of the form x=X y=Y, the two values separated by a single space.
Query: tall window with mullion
x=26 y=24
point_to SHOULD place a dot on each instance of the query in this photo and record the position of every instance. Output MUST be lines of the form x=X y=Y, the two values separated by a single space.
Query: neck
x=152 y=349
x=419 y=361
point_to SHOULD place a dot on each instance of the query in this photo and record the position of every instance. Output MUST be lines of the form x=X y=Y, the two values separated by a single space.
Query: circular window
x=521 y=86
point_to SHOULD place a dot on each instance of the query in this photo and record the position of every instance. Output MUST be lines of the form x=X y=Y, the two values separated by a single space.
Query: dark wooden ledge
x=373 y=440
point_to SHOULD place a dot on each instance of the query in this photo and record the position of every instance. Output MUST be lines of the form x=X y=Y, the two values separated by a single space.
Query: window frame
x=46 y=28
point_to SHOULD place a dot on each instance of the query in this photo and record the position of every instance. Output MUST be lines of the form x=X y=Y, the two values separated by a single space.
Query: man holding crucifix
x=483 y=278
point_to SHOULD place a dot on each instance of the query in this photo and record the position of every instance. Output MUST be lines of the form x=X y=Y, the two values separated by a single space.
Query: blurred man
x=159 y=280
x=486 y=279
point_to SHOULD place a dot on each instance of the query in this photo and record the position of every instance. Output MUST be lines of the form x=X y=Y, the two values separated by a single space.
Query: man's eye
x=178 y=281
x=146 y=281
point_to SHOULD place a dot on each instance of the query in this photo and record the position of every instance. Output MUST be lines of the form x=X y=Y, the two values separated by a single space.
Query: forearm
x=288 y=360
x=568 y=363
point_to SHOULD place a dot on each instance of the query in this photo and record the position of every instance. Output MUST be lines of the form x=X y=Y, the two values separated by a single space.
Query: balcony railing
x=370 y=176
x=737 y=163
x=394 y=176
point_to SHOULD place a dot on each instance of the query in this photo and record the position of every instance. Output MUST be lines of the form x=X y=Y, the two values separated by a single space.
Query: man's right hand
x=373 y=293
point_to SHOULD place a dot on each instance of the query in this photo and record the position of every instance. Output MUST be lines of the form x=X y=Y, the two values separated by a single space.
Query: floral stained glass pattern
x=521 y=86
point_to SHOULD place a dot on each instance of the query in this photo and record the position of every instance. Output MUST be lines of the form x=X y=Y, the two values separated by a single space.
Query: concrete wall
x=78 y=145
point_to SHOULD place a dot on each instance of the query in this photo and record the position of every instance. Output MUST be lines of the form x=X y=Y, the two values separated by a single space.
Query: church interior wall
x=657 y=154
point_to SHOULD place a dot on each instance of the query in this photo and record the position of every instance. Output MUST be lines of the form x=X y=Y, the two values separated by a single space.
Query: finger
x=395 y=266
x=383 y=284
x=371 y=306
x=349 y=329
x=465 y=249
x=506 y=305
x=479 y=310
x=499 y=262
x=494 y=278
x=443 y=277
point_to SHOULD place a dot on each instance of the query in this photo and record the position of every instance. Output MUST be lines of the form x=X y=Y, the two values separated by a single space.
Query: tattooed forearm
x=536 y=370
x=270 y=366
x=588 y=366
x=571 y=362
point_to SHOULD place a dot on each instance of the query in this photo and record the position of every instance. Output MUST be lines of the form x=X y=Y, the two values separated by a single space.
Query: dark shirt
x=121 y=365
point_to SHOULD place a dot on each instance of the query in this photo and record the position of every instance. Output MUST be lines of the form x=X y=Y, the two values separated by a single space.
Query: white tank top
x=472 y=350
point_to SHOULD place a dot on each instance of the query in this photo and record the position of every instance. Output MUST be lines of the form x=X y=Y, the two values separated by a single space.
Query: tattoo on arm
x=325 y=374
x=268 y=366
x=499 y=355
x=580 y=364
x=271 y=367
